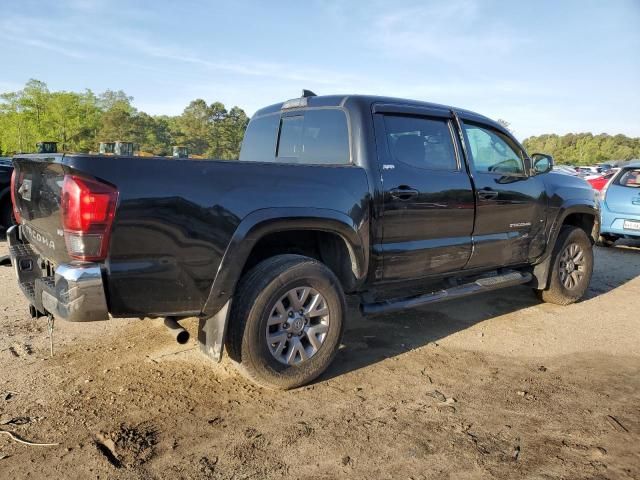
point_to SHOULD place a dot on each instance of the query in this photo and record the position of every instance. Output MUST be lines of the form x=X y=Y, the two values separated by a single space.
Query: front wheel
x=286 y=322
x=571 y=267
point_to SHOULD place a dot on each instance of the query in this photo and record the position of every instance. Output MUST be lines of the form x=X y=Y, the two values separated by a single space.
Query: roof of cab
x=341 y=100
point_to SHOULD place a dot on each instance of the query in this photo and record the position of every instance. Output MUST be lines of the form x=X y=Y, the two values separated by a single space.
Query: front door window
x=492 y=152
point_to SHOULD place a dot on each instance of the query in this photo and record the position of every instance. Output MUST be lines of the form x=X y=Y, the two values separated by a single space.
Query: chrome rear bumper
x=74 y=292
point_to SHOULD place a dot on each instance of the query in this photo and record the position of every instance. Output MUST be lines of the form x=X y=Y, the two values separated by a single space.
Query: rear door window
x=630 y=178
x=420 y=142
x=314 y=137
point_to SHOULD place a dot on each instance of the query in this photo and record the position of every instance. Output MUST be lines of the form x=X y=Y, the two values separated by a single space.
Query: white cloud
x=453 y=32
x=253 y=68
x=37 y=33
x=84 y=6
x=57 y=48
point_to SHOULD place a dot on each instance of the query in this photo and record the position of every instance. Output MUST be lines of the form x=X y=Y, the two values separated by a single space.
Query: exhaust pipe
x=179 y=333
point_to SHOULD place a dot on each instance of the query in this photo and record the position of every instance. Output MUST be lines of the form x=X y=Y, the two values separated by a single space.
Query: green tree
x=232 y=130
x=110 y=99
x=72 y=120
x=195 y=126
x=585 y=148
x=79 y=121
x=117 y=124
x=152 y=134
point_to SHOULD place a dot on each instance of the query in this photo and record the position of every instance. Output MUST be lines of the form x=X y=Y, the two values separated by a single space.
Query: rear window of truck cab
x=312 y=137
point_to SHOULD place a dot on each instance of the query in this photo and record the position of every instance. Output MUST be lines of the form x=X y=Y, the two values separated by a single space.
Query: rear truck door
x=38 y=185
x=511 y=202
x=428 y=204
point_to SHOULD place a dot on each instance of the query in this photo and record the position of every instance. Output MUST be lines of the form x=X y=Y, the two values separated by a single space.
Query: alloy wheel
x=572 y=266
x=297 y=325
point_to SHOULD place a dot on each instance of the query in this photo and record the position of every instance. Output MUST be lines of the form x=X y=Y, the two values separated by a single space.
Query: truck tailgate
x=38 y=185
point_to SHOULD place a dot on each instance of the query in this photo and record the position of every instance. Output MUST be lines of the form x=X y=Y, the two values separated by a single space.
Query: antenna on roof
x=307 y=93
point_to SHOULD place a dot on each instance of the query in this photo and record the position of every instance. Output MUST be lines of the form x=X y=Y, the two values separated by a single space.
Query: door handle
x=487 y=194
x=404 y=193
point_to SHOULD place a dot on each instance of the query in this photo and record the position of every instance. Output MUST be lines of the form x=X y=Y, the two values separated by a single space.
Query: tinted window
x=421 y=142
x=493 y=152
x=314 y=137
x=259 y=143
x=290 y=145
x=630 y=178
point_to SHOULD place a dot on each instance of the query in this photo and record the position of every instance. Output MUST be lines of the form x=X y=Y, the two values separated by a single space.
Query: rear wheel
x=286 y=321
x=571 y=267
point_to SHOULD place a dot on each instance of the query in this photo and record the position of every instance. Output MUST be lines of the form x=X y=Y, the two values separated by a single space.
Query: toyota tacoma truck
x=395 y=202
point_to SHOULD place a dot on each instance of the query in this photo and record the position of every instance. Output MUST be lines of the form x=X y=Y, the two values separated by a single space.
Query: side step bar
x=485 y=284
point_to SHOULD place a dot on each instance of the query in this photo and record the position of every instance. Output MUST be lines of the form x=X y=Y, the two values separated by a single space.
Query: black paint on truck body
x=184 y=229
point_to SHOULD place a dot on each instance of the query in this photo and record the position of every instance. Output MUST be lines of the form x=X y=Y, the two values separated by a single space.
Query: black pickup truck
x=397 y=202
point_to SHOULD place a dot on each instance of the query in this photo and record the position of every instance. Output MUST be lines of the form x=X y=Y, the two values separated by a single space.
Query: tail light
x=88 y=208
x=14 y=205
x=603 y=190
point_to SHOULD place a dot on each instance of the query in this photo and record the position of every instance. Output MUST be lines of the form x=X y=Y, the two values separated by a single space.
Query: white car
x=566 y=169
x=589 y=171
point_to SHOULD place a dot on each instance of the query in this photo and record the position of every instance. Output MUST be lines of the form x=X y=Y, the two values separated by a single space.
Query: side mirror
x=542 y=163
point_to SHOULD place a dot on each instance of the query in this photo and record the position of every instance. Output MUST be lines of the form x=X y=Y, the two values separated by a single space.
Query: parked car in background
x=604 y=167
x=599 y=182
x=620 y=206
x=6 y=216
x=566 y=169
x=588 y=171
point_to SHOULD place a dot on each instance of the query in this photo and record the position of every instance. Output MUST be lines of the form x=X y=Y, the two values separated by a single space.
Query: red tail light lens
x=88 y=208
x=14 y=206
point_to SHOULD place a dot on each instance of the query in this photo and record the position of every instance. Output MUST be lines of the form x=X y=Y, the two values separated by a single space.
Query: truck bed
x=175 y=218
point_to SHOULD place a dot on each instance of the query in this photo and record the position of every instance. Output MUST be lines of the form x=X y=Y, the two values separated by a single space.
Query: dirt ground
x=497 y=386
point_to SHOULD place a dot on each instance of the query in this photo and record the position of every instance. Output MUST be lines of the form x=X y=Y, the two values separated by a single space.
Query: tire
x=263 y=297
x=606 y=241
x=571 y=242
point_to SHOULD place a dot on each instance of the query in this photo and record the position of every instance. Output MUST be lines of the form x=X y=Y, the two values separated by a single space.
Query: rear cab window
x=259 y=142
x=309 y=136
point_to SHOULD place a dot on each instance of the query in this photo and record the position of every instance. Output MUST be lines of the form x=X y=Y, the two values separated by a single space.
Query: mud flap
x=540 y=279
x=211 y=333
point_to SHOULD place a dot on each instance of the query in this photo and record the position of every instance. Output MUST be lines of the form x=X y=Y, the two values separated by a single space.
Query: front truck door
x=428 y=205
x=511 y=202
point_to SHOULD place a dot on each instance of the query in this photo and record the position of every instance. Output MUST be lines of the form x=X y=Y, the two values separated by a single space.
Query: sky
x=544 y=66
